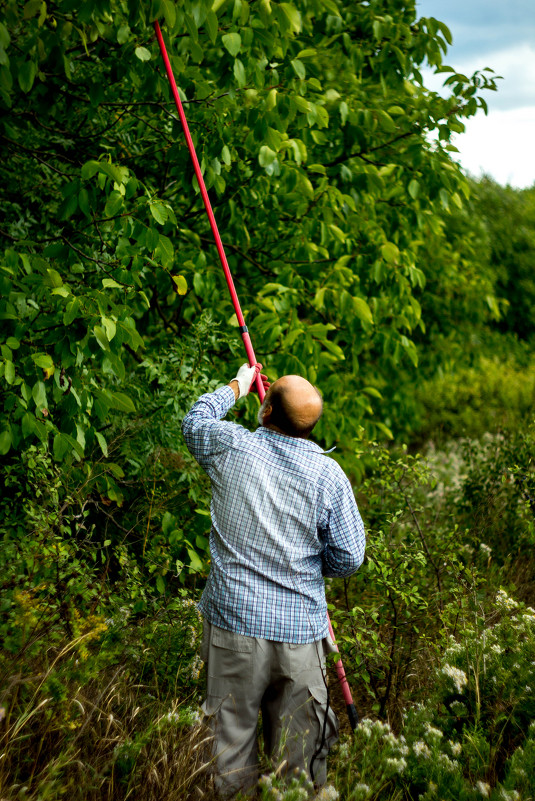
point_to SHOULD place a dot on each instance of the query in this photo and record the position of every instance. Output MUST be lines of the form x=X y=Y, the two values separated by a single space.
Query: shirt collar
x=297 y=442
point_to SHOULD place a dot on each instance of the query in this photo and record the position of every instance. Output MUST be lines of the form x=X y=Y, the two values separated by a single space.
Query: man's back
x=283 y=515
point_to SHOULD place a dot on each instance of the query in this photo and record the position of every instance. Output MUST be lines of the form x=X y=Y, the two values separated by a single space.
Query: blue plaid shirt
x=283 y=516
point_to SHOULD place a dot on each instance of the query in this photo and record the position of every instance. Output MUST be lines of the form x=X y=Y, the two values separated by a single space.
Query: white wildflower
x=456 y=748
x=509 y=795
x=456 y=675
x=196 y=666
x=403 y=750
x=362 y=788
x=447 y=763
x=327 y=794
x=483 y=788
x=432 y=732
x=496 y=649
x=343 y=751
x=505 y=602
x=454 y=649
x=391 y=739
x=398 y=765
x=421 y=749
x=487 y=550
x=265 y=781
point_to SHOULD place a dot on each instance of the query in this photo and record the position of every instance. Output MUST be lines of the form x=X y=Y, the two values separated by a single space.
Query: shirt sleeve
x=342 y=531
x=206 y=434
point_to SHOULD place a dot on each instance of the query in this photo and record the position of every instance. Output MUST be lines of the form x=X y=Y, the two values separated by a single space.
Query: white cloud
x=491 y=33
x=501 y=145
x=516 y=65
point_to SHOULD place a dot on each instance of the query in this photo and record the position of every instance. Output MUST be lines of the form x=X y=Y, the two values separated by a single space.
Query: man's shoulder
x=331 y=473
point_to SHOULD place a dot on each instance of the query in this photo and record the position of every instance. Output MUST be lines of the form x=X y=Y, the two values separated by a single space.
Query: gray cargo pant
x=286 y=682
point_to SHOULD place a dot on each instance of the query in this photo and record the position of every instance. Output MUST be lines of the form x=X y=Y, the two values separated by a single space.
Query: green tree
x=508 y=215
x=310 y=122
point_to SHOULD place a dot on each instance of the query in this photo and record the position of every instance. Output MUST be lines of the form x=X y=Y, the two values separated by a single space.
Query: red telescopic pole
x=351 y=711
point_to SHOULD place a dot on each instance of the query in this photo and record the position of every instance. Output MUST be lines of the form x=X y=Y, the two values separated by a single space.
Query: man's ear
x=267 y=414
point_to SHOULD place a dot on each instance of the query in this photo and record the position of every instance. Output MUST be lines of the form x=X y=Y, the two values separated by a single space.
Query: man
x=283 y=516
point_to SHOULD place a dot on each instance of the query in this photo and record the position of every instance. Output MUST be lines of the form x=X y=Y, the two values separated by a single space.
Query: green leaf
x=143 y=54
x=292 y=15
x=122 y=402
x=27 y=424
x=165 y=250
x=123 y=34
x=53 y=278
x=390 y=252
x=113 y=171
x=386 y=431
x=301 y=103
x=62 y=291
x=109 y=327
x=61 y=447
x=113 y=204
x=5 y=38
x=6 y=440
x=212 y=26
x=110 y=283
x=32 y=8
x=225 y=155
x=43 y=360
x=26 y=75
x=266 y=156
x=299 y=68
x=195 y=563
x=414 y=188
x=9 y=371
x=159 y=212
x=181 y=285
x=362 y=310
x=232 y=42
x=71 y=311
x=102 y=442
x=169 y=12
x=100 y=336
x=239 y=73
x=39 y=395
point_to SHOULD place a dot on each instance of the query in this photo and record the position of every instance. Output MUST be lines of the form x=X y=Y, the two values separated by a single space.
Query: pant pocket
x=230 y=662
x=325 y=717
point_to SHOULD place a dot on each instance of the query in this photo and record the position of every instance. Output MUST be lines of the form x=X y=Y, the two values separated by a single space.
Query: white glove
x=246 y=376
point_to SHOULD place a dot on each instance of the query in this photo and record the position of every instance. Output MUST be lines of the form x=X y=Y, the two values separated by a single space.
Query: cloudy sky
x=498 y=34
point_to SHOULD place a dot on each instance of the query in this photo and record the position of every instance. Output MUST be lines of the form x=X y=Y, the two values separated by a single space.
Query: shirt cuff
x=226 y=396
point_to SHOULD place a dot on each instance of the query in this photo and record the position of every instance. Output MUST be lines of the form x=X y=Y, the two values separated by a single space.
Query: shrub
x=474 y=735
x=470 y=401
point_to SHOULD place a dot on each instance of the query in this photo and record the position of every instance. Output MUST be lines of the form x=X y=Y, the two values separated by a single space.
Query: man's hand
x=245 y=379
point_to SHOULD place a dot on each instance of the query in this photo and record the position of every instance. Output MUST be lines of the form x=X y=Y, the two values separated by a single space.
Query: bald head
x=292 y=405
